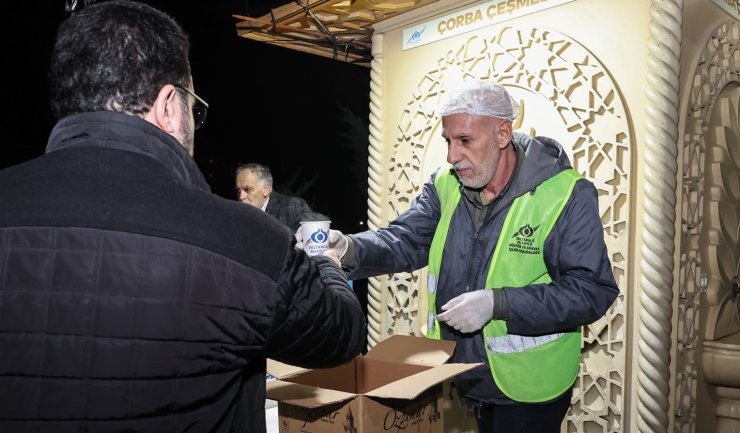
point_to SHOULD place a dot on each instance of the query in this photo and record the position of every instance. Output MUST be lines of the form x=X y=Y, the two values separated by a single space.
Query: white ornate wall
x=566 y=93
x=716 y=65
x=603 y=79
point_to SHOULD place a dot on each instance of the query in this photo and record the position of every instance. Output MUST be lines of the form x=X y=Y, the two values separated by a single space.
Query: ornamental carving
x=717 y=66
x=567 y=94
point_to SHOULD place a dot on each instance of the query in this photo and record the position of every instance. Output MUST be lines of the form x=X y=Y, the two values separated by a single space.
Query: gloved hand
x=332 y=254
x=337 y=241
x=468 y=312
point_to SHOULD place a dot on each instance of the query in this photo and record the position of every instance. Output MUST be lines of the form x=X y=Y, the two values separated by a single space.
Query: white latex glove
x=468 y=312
x=332 y=254
x=337 y=242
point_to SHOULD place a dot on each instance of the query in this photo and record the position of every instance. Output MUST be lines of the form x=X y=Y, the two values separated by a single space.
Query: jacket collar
x=540 y=158
x=119 y=131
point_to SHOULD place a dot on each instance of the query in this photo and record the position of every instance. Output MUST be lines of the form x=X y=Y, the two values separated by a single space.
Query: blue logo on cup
x=319 y=236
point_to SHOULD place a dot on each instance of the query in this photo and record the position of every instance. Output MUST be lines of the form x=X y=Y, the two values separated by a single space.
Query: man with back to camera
x=131 y=298
x=254 y=187
x=516 y=260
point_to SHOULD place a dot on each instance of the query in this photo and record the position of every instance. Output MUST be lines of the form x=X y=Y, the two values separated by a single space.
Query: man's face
x=473 y=147
x=250 y=190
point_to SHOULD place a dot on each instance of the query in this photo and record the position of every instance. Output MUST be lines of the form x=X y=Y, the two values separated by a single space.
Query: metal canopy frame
x=338 y=29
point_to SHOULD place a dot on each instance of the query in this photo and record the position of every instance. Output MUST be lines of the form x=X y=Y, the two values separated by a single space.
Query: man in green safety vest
x=517 y=261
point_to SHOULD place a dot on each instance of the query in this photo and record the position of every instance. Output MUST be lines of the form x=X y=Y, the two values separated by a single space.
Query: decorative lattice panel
x=718 y=65
x=577 y=103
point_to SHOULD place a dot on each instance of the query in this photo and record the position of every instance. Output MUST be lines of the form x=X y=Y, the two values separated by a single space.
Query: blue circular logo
x=319 y=236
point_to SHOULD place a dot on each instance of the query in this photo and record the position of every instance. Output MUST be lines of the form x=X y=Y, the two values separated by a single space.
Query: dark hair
x=261 y=171
x=115 y=56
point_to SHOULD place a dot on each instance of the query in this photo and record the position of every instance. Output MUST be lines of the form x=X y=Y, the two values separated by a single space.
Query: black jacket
x=133 y=299
x=290 y=210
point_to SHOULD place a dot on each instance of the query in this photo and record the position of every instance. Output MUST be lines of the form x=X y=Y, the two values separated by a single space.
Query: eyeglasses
x=200 y=108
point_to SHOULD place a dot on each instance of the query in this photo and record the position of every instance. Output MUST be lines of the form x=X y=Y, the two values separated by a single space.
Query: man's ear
x=266 y=189
x=504 y=133
x=165 y=112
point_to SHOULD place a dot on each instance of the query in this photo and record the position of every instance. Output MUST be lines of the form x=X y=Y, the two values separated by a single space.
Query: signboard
x=474 y=18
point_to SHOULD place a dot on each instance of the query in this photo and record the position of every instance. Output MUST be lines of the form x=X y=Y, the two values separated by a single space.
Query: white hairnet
x=480 y=98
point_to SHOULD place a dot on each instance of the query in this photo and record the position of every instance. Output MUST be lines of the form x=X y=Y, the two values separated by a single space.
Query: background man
x=516 y=260
x=131 y=298
x=254 y=187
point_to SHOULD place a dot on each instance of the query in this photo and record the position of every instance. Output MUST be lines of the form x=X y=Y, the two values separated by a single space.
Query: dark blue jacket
x=133 y=299
x=583 y=285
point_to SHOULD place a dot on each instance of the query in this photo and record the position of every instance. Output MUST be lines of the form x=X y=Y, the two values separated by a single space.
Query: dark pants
x=523 y=417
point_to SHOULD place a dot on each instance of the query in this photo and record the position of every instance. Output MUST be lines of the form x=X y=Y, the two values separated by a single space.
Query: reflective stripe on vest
x=525 y=368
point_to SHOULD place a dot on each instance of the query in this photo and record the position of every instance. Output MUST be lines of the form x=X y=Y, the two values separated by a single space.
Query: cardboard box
x=396 y=387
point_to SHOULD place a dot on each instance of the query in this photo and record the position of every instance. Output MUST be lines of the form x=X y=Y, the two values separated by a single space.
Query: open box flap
x=413 y=350
x=304 y=395
x=281 y=370
x=411 y=386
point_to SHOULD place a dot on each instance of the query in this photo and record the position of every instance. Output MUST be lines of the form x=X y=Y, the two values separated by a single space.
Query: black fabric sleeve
x=318 y=320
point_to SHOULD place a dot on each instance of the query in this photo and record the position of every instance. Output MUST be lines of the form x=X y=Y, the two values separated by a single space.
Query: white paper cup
x=315 y=236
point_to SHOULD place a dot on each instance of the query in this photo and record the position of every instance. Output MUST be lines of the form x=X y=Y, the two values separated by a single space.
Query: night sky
x=303 y=115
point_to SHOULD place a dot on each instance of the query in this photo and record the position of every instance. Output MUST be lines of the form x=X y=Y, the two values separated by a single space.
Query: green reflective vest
x=525 y=368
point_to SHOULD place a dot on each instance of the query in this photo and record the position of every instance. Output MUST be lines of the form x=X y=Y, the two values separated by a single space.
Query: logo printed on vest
x=523 y=242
